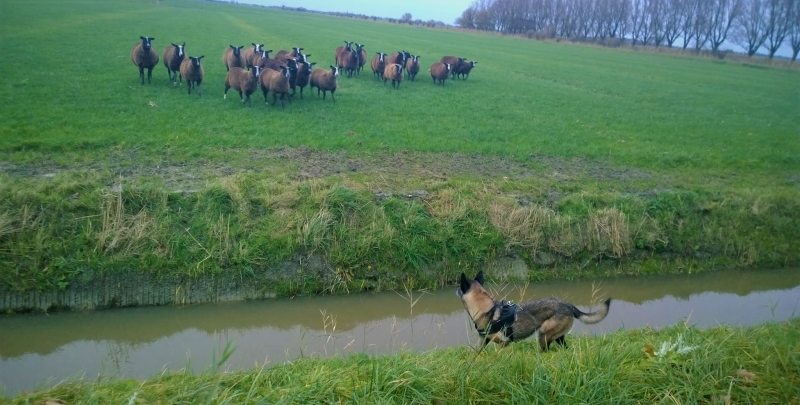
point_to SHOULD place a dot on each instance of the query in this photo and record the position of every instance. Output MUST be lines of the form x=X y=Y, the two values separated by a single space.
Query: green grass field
x=722 y=365
x=614 y=154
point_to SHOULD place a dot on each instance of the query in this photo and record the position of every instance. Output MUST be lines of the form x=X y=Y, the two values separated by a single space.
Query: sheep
x=378 y=64
x=397 y=57
x=465 y=68
x=276 y=65
x=192 y=71
x=412 y=67
x=173 y=57
x=295 y=53
x=325 y=80
x=144 y=57
x=340 y=49
x=260 y=57
x=277 y=83
x=242 y=81
x=393 y=72
x=362 y=57
x=303 y=75
x=232 y=57
x=348 y=61
x=455 y=63
x=440 y=71
x=249 y=54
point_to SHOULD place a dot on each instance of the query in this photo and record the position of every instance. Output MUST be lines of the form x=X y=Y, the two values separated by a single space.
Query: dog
x=502 y=322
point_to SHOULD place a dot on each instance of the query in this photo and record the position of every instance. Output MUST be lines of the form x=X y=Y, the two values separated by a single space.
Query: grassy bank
x=583 y=160
x=379 y=236
x=678 y=364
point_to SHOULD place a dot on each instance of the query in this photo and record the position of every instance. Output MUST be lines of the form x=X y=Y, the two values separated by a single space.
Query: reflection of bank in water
x=139 y=342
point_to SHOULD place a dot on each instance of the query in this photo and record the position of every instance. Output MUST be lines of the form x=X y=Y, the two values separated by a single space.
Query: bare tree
x=778 y=12
x=406 y=18
x=673 y=21
x=794 y=34
x=752 y=26
x=689 y=12
x=657 y=11
x=639 y=21
x=724 y=14
x=467 y=19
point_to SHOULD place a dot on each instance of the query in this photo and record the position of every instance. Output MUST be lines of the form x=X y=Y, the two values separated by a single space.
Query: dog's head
x=476 y=299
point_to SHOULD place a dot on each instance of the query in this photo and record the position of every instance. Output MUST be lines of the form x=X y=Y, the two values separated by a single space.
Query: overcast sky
x=440 y=10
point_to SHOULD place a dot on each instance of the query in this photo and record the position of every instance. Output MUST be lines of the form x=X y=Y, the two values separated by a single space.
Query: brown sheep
x=397 y=57
x=295 y=53
x=232 y=57
x=362 y=57
x=303 y=75
x=173 y=57
x=378 y=64
x=465 y=68
x=250 y=53
x=144 y=57
x=440 y=71
x=348 y=47
x=348 y=61
x=412 y=67
x=192 y=71
x=277 y=83
x=242 y=81
x=455 y=63
x=325 y=80
x=261 y=57
x=393 y=72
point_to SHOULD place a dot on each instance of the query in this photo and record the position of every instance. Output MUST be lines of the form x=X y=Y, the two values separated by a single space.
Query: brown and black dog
x=549 y=319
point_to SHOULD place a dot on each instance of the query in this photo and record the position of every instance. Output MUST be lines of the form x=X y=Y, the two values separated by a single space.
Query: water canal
x=38 y=349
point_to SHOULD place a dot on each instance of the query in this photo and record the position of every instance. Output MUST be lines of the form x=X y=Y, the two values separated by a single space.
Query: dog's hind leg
x=563 y=342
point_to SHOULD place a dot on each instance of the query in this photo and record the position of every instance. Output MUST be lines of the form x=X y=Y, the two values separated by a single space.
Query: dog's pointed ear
x=464 y=283
x=479 y=277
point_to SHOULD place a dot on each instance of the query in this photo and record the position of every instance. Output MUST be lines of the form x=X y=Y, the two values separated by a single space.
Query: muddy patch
x=304 y=163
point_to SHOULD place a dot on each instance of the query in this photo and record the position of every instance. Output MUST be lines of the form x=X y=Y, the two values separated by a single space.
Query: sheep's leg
x=324 y=92
x=224 y=96
x=189 y=88
x=275 y=98
x=301 y=93
x=282 y=105
x=241 y=96
x=199 y=90
x=265 y=96
x=332 y=97
x=149 y=74
x=141 y=73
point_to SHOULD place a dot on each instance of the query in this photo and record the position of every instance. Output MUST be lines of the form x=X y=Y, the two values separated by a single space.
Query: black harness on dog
x=504 y=322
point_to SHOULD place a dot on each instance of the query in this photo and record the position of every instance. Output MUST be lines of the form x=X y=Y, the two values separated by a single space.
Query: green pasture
x=583 y=160
x=69 y=90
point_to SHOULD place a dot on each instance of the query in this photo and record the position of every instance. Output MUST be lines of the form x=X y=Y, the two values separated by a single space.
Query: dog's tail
x=592 y=317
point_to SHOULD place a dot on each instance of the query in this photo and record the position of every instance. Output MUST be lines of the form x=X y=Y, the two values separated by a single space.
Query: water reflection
x=140 y=342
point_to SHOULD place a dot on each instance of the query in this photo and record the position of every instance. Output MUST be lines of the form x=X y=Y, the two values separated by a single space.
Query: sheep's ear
x=173 y=44
x=479 y=277
x=253 y=43
x=331 y=66
x=232 y=47
x=152 y=39
x=308 y=56
x=142 y=38
x=201 y=57
x=184 y=43
x=312 y=64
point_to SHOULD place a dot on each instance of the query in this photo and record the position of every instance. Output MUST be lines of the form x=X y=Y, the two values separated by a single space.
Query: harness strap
x=504 y=321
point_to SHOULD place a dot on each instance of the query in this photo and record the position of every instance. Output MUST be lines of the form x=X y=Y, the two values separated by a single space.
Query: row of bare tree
x=702 y=24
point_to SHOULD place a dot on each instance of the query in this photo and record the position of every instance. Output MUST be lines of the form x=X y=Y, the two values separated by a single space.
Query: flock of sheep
x=252 y=68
